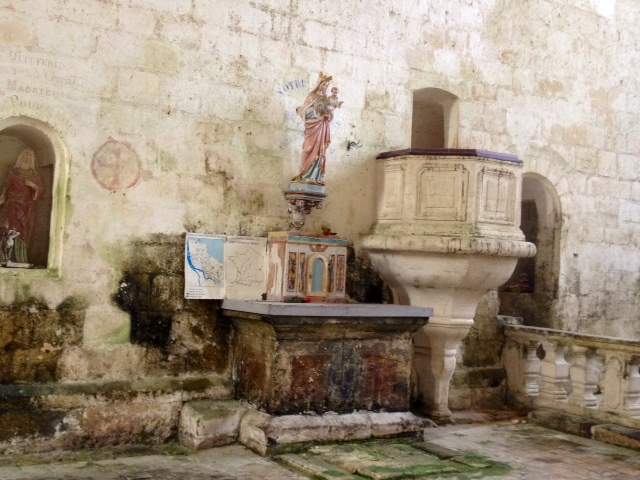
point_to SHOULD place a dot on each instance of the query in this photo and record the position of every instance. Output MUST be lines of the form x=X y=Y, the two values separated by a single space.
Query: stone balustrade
x=587 y=375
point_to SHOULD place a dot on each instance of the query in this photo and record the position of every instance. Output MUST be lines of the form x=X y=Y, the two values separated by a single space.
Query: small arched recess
x=532 y=290
x=43 y=187
x=435 y=119
x=318 y=277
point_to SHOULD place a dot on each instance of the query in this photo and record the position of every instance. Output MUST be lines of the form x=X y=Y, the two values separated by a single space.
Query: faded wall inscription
x=26 y=73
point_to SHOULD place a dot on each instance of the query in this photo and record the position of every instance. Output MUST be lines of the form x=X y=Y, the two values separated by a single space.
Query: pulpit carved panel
x=442 y=192
x=496 y=196
x=393 y=191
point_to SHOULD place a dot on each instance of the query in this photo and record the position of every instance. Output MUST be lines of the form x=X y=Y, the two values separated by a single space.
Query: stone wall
x=190 y=337
x=175 y=117
x=33 y=338
x=58 y=390
x=479 y=382
x=205 y=98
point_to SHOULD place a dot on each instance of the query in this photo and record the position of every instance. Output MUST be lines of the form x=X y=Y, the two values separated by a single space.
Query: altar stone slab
x=296 y=358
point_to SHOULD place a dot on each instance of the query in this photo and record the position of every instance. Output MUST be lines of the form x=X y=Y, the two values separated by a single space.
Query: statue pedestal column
x=302 y=197
x=447 y=232
x=434 y=361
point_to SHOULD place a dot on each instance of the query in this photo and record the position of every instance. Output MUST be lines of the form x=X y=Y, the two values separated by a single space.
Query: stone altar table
x=295 y=358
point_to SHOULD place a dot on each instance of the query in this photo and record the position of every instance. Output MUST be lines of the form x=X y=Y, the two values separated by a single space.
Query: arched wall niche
x=318 y=276
x=532 y=290
x=435 y=119
x=18 y=134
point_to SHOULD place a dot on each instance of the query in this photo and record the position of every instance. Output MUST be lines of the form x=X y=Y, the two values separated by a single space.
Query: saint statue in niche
x=316 y=113
x=23 y=188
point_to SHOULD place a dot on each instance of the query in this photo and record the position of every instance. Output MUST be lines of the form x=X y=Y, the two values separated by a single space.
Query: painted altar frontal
x=286 y=266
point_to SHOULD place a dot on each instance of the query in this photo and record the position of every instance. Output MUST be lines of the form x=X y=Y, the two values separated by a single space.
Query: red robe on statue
x=17 y=211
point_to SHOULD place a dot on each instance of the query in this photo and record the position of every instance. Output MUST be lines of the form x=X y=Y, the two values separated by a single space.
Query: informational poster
x=218 y=267
x=204 y=276
x=246 y=267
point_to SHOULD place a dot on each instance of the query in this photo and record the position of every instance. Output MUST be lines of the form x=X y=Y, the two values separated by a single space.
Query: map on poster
x=218 y=267
x=246 y=267
x=204 y=266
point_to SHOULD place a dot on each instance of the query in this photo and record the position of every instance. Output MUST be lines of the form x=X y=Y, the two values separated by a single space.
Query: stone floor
x=502 y=450
x=535 y=452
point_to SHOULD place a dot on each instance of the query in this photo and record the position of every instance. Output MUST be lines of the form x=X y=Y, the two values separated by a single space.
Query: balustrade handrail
x=582 y=339
x=577 y=373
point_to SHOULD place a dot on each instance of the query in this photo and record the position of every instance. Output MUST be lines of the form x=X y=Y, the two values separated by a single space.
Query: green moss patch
x=389 y=460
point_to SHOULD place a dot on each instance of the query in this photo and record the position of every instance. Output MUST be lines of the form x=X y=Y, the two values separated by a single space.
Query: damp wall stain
x=33 y=337
x=189 y=334
x=364 y=284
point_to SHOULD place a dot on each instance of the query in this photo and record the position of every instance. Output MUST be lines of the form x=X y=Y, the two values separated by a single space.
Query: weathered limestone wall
x=179 y=116
x=479 y=381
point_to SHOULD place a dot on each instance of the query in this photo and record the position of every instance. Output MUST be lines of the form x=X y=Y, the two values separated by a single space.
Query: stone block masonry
x=295 y=358
x=150 y=75
x=197 y=93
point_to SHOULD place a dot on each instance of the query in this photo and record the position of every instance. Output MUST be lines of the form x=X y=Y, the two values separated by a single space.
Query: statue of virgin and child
x=317 y=113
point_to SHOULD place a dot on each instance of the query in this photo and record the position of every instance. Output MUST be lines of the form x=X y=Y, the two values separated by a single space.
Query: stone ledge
x=617 y=435
x=42 y=417
x=612 y=434
x=118 y=387
x=265 y=434
x=208 y=424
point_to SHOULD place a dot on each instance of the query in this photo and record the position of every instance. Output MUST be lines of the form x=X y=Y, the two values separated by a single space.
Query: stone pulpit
x=447 y=231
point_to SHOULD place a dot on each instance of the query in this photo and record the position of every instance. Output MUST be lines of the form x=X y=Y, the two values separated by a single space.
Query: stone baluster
x=597 y=363
x=554 y=373
x=513 y=360
x=584 y=378
x=532 y=368
x=632 y=388
x=522 y=366
x=612 y=384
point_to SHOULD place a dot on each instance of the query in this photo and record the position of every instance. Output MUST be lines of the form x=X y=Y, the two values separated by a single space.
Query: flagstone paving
x=504 y=450
x=386 y=460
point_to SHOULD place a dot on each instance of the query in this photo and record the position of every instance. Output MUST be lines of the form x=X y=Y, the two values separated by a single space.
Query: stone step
x=612 y=434
x=275 y=434
x=206 y=424
x=617 y=435
x=564 y=422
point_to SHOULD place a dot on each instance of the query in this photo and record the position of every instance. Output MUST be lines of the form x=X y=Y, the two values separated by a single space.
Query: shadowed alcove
x=532 y=290
x=435 y=119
